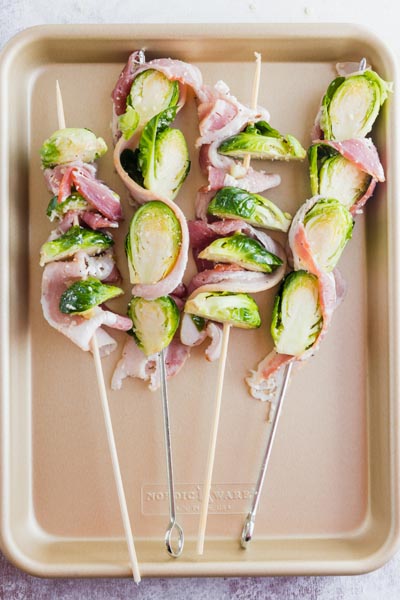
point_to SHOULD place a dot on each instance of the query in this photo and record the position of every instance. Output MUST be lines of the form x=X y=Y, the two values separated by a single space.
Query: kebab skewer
x=79 y=315
x=152 y=160
x=344 y=169
x=261 y=258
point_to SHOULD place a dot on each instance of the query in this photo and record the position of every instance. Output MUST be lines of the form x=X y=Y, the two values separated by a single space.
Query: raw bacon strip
x=96 y=221
x=62 y=178
x=57 y=277
x=191 y=336
x=134 y=363
x=54 y=176
x=364 y=155
x=222 y=115
x=361 y=152
x=98 y=194
x=232 y=280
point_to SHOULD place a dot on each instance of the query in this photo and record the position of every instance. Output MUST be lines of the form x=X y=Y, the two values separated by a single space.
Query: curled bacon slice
x=57 y=277
x=364 y=155
x=134 y=363
x=142 y=195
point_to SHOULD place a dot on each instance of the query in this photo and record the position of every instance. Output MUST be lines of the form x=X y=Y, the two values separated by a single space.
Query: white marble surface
x=383 y=17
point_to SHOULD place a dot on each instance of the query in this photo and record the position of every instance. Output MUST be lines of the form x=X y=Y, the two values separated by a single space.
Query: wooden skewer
x=221 y=371
x=254 y=98
x=107 y=416
x=213 y=440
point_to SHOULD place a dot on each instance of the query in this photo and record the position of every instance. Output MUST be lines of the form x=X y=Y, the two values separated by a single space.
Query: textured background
x=383 y=18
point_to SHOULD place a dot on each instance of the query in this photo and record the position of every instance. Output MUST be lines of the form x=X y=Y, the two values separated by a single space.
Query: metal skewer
x=248 y=527
x=173 y=524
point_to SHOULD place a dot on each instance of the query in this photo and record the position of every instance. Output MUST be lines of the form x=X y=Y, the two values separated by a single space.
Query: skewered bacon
x=57 y=277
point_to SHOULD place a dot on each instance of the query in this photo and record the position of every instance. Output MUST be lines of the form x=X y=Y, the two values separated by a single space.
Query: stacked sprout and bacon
x=79 y=269
x=344 y=169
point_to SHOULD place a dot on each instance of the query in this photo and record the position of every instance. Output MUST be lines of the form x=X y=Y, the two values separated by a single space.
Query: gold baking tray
x=331 y=500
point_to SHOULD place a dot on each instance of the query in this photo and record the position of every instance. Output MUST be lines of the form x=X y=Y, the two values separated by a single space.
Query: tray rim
x=300 y=31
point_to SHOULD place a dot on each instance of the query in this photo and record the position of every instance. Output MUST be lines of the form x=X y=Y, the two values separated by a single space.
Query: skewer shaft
x=249 y=523
x=60 y=107
x=106 y=410
x=170 y=473
x=254 y=97
x=213 y=440
x=114 y=460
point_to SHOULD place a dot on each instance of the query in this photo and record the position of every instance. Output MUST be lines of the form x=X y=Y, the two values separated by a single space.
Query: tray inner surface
x=326 y=496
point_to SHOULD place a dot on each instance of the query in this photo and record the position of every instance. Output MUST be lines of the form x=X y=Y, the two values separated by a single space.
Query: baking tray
x=331 y=500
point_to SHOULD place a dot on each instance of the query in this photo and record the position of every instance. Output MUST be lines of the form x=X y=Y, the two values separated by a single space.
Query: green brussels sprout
x=329 y=226
x=82 y=296
x=235 y=203
x=76 y=238
x=128 y=122
x=154 y=322
x=334 y=176
x=56 y=210
x=243 y=251
x=153 y=242
x=239 y=310
x=297 y=317
x=351 y=105
x=262 y=141
x=151 y=93
x=199 y=322
x=69 y=144
x=163 y=157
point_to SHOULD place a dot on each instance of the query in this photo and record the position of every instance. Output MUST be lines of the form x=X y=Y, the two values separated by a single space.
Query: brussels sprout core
x=243 y=251
x=239 y=310
x=235 y=203
x=70 y=144
x=351 y=105
x=329 y=226
x=84 y=295
x=297 y=317
x=151 y=93
x=341 y=179
x=153 y=243
x=154 y=322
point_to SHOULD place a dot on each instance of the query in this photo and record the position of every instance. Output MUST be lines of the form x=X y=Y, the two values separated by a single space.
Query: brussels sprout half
x=163 y=157
x=56 y=210
x=351 y=105
x=243 y=251
x=82 y=296
x=239 y=310
x=262 y=141
x=329 y=226
x=154 y=322
x=151 y=93
x=153 y=242
x=69 y=144
x=296 y=317
x=333 y=176
x=76 y=238
x=235 y=203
